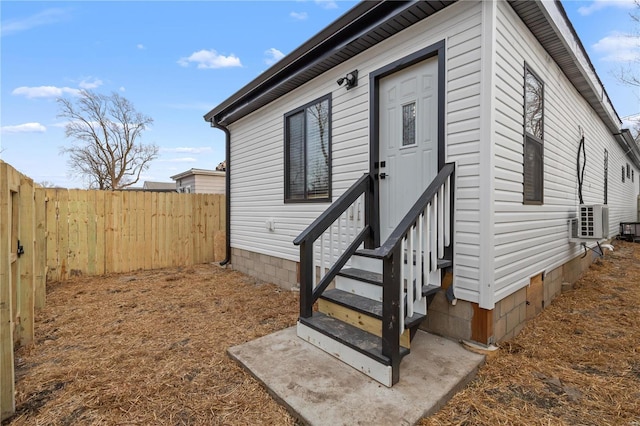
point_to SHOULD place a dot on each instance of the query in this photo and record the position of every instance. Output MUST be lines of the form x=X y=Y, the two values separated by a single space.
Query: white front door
x=408 y=115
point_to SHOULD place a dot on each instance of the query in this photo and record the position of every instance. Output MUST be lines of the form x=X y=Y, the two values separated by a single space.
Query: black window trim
x=606 y=176
x=527 y=135
x=299 y=109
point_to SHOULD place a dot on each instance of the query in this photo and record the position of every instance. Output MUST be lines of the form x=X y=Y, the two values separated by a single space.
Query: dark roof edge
x=586 y=55
x=289 y=61
x=632 y=150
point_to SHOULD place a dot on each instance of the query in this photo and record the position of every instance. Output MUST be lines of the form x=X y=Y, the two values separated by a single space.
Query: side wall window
x=533 y=138
x=308 y=152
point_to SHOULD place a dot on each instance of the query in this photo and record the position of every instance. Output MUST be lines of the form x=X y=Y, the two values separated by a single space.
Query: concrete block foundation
x=460 y=322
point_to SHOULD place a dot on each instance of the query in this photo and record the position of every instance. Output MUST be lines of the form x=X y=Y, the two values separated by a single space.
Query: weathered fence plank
x=7 y=398
x=40 y=250
x=26 y=281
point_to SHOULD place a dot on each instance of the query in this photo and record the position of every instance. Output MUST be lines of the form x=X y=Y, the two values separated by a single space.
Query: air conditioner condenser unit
x=593 y=221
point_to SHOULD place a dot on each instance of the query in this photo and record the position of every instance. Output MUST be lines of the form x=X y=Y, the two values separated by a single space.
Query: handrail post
x=391 y=311
x=306 y=279
x=369 y=241
x=452 y=184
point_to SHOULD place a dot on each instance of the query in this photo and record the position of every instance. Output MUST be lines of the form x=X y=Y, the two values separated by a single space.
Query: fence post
x=7 y=394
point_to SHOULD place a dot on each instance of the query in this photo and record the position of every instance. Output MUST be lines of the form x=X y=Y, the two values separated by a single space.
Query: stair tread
x=414 y=320
x=444 y=263
x=429 y=289
x=370 y=307
x=353 y=337
x=362 y=275
x=366 y=253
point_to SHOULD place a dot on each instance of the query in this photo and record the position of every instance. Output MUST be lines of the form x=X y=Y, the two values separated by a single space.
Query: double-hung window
x=533 y=138
x=308 y=152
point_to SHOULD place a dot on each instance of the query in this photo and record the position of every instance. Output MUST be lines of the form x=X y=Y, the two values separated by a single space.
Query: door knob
x=383 y=175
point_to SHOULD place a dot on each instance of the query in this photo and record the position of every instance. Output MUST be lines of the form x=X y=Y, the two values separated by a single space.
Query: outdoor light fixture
x=351 y=79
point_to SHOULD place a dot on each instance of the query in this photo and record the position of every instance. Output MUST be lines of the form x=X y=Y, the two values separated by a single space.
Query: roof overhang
x=363 y=26
x=370 y=22
x=197 y=172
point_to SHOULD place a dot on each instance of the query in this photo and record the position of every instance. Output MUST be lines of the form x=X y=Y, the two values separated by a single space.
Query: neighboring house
x=200 y=181
x=158 y=186
x=445 y=137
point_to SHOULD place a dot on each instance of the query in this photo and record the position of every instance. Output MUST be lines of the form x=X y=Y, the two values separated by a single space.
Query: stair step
x=414 y=321
x=444 y=263
x=372 y=308
x=429 y=290
x=358 y=311
x=362 y=275
x=367 y=253
x=350 y=336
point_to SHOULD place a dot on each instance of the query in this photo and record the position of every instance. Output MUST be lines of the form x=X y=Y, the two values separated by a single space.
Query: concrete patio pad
x=321 y=390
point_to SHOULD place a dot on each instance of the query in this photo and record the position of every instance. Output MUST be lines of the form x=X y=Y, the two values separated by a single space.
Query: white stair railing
x=328 y=248
x=421 y=248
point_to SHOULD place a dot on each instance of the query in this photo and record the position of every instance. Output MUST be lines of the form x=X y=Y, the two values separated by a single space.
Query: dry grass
x=577 y=363
x=149 y=348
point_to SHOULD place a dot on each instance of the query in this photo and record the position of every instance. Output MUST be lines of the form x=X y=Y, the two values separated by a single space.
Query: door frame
x=435 y=50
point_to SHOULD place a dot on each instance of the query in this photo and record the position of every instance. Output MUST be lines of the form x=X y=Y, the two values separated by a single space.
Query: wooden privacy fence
x=22 y=270
x=52 y=234
x=98 y=232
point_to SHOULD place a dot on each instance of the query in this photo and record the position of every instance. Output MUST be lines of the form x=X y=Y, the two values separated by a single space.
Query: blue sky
x=176 y=60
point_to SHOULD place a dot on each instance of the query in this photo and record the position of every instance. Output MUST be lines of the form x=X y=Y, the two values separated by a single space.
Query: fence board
x=25 y=265
x=99 y=207
x=62 y=227
x=40 y=249
x=148 y=234
x=7 y=399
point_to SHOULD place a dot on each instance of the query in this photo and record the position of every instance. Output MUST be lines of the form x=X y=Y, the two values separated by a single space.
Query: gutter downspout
x=227 y=188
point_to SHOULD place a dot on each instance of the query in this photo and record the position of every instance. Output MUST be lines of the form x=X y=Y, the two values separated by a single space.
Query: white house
x=468 y=146
x=200 y=181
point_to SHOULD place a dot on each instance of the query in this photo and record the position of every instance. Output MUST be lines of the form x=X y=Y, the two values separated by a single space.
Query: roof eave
x=288 y=63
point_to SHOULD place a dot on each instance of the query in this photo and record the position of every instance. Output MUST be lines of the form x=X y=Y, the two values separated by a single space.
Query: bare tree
x=629 y=73
x=107 y=130
x=47 y=184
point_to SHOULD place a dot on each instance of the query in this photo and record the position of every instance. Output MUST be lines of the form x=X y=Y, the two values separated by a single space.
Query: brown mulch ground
x=149 y=348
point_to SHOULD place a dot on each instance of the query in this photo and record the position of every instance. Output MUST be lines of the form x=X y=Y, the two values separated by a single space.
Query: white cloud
x=601 y=4
x=189 y=150
x=25 y=128
x=122 y=89
x=208 y=59
x=44 y=91
x=300 y=16
x=273 y=55
x=618 y=47
x=327 y=4
x=48 y=16
x=140 y=46
x=87 y=84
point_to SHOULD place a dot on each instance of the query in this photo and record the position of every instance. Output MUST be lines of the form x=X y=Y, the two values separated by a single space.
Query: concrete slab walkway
x=320 y=390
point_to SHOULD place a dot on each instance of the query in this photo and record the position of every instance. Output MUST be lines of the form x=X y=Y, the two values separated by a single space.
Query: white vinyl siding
x=208 y=184
x=257 y=141
x=530 y=239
